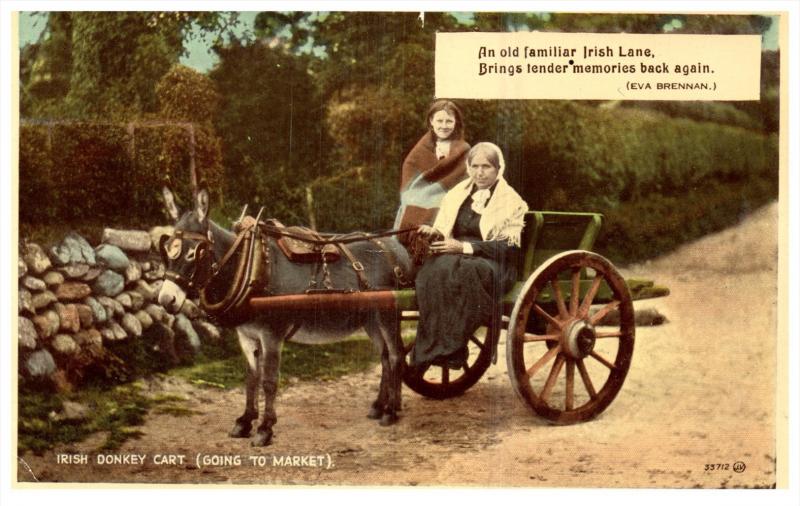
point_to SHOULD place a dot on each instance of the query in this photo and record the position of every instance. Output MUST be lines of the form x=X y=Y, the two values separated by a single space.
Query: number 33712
x=717 y=467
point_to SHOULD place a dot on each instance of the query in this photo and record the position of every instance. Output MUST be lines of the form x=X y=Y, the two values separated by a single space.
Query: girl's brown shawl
x=425 y=180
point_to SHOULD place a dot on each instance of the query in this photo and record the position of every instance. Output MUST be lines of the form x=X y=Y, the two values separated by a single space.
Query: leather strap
x=399 y=275
x=355 y=264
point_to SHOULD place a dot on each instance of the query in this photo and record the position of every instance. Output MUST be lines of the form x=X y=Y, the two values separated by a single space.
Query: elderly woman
x=433 y=166
x=460 y=287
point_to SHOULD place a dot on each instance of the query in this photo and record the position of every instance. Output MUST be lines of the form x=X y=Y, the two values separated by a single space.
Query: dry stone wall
x=83 y=309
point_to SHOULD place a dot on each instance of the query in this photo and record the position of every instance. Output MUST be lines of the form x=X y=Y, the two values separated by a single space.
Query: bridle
x=204 y=265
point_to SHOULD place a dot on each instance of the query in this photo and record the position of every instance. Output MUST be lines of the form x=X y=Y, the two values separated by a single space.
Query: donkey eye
x=190 y=254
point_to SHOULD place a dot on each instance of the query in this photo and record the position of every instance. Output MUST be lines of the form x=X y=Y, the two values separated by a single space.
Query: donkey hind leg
x=384 y=329
x=269 y=367
x=251 y=348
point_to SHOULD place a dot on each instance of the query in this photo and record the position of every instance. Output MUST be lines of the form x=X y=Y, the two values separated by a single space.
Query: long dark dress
x=458 y=293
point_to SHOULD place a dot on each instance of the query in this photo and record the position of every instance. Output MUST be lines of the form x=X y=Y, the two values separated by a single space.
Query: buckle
x=357 y=266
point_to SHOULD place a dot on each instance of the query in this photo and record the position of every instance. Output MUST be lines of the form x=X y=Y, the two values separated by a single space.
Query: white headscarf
x=503 y=217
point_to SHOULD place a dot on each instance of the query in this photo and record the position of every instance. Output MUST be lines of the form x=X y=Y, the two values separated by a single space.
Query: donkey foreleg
x=251 y=349
x=269 y=372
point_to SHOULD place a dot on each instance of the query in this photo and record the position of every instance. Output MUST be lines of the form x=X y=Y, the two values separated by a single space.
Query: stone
x=42 y=300
x=137 y=300
x=64 y=344
x=99 y=314
x=190 y=309
x=162 y=339
x=125 y=299
x=119 y=332
x=156 y=285
x=47 y=323
x=112 y=257
x=22 y=268
x=208 y=332
x=157 y=272
x=33 y=284
x=156 y=233
x=70 y=412
x=144 y=318
x=143 y=288
x=40 y=364
x=146 y=266
x=158 y=313
x=85 y=314
x=169 y=320
x=128 y=240
x=68 y=314
x=107 y=334
x=53 y=278
x=113 y=307
x=92 y=273
x=131 y=325
x=72 y=291
x=74 y=271
x=25 y=302
x=35 y=258
x=89 y=337
x=27 y=334
x=109 y=283
x=133 y=272
x=73 y=249
x=183 y=326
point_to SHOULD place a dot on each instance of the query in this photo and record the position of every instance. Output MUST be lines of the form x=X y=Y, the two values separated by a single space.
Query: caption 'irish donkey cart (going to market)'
x=569 y=318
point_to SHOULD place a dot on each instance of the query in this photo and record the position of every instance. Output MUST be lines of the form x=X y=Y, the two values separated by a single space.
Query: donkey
x=197 y=238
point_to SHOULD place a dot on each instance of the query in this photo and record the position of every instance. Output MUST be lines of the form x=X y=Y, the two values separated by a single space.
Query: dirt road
x=701 y=391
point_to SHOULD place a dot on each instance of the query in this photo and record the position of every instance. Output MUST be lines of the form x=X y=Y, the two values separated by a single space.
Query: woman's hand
x=426 y=230
x=447 y=246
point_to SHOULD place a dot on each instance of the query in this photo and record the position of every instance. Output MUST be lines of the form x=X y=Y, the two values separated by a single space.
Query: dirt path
x=700 y=391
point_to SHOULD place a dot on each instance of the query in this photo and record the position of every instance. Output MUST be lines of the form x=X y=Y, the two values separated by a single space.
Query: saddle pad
x=297 y=250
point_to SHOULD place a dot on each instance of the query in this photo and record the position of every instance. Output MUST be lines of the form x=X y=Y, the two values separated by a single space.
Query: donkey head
x=188 y=253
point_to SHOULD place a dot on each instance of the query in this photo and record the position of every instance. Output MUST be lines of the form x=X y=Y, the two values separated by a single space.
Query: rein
x=333 y=238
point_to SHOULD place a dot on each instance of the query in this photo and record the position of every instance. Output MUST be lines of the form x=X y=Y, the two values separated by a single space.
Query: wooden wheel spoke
x=575 y=293
x=547 y=316
x=602 y=360
x=599 y=315
x=603 y=335
x=587 y=301
x=547 y=357
x=552 y=378
x=445 y=375
x=530 y=338
x=562 y=307
x=587 y=381
x=477 y=342
x=569 y=399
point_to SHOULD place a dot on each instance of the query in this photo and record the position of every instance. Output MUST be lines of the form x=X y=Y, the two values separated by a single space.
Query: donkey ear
x=169 y=203
x=201 y=205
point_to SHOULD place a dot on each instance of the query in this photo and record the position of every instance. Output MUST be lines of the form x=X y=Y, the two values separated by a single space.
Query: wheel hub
x=578 y=339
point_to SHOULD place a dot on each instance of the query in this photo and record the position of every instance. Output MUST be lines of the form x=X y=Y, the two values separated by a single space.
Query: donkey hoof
x=240 y=430
x=388 y=419
x=262 y=439
x=375 y=413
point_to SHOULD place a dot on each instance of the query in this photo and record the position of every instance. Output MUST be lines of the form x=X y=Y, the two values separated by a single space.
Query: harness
x=249 y=258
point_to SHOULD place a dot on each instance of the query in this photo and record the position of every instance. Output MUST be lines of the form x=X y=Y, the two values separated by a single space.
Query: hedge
x=81 y=170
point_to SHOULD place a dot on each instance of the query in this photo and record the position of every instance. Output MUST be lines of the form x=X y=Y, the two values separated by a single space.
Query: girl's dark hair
x=451 y=108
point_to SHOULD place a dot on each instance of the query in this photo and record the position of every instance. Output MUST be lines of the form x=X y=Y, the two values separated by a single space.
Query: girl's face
x=483 y=172
x=443 y=124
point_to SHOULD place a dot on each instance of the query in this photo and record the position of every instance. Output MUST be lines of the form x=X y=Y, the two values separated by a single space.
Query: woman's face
x=443 y=124
x=483 y=172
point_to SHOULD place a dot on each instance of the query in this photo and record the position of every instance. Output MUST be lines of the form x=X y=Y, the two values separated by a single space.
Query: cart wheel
x=440 y=382
x=556 y=332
